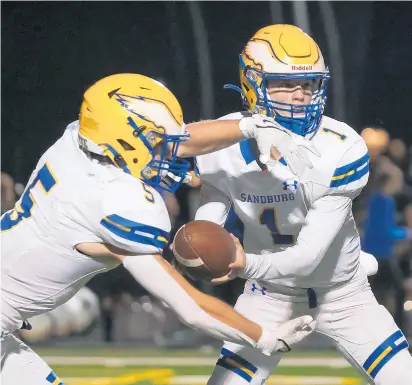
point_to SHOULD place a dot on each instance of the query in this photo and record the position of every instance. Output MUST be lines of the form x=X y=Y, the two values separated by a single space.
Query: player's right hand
x=285 y=335
x=295 y=149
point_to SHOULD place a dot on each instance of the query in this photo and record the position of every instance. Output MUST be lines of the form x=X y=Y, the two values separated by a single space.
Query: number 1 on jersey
x=268 y=218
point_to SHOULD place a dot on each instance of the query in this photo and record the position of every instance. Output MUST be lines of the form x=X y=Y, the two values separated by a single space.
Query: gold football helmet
x=284 y=52
x=137 y=123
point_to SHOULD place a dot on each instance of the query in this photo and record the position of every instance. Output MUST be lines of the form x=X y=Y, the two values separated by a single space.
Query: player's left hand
x=236 y=267
x=369 y=263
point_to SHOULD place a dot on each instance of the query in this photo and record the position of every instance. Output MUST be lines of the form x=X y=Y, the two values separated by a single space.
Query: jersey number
x=268 y=218
x=23 y=210
x=148 y=193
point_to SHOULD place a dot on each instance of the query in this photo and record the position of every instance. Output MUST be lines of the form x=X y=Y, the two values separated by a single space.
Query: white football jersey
x=304 y=224
x=69 y=199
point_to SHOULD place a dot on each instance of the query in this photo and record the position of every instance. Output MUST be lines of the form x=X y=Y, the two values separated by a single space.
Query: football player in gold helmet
x=89 y=206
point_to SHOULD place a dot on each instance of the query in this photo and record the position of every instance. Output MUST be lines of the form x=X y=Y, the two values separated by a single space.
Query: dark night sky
x=51 y=53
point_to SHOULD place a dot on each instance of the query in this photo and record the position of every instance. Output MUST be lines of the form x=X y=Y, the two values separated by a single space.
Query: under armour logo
x=262 y=290
x=294 y=185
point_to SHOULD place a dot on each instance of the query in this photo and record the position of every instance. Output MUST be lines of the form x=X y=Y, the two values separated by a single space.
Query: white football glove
x=294 y=148
x=369 y=263
x=285 y=335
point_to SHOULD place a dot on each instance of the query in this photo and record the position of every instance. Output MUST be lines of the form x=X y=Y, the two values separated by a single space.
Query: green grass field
x=113 y=366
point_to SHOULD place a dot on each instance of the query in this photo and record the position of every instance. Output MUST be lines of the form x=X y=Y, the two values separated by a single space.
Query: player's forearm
x=224 y=313
x=283 y=264
x=213 y=206
x=295 y=262
x=210 y=136
x=159 y=278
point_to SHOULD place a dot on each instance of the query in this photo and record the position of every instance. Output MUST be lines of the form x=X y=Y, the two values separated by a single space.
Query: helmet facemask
x=302 y=119
x=165 y=170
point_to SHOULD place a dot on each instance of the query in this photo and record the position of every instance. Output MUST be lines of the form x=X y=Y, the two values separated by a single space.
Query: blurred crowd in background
x=383 y=213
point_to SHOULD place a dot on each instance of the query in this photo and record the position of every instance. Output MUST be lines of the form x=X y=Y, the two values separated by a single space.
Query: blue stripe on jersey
x=234 y=225
x=249 y=156
x=340 y=171
x=283 y=161
x=350 y=177
x=135 y=231
x=246 y=151
x=384 y=352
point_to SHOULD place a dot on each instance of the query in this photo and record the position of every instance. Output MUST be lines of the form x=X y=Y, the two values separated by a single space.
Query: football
x=203 y=250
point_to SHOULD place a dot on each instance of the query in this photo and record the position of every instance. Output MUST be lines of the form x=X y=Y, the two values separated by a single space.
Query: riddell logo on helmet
x=302 y=68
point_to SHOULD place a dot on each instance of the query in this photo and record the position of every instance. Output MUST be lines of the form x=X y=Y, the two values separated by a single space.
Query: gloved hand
x=369 y=263
x=294 y=148
x=285 y=335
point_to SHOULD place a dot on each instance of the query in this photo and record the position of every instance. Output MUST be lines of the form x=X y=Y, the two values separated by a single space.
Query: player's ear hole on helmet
x=126 y=146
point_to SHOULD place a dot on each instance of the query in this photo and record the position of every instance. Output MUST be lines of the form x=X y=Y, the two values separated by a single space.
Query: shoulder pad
x=134 y=218
x=352 y=168
x=344 y=165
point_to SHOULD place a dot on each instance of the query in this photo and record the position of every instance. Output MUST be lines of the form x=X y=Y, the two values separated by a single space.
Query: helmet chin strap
x=187 y=179
x=233 y=87
x=166 y=173
x=237 y=89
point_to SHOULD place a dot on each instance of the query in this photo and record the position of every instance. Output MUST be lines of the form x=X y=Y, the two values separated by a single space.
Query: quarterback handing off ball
x=203 y=250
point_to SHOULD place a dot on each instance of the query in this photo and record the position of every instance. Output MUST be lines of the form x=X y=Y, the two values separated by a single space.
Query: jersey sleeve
x=352 y=171
x=349 y=175
x=214 y=205
x=210 y=169
x=134 y=218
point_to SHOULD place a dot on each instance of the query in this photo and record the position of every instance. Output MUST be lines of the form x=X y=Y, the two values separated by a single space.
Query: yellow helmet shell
x=115 y=106
x=279 y=48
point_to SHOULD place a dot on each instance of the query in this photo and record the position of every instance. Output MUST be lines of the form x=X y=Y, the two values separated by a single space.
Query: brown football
x=203 y=250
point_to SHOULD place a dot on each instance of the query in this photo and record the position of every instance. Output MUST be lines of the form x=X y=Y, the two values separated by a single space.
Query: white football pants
x=22 y=366
x=362 y=331
x=19 y=364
